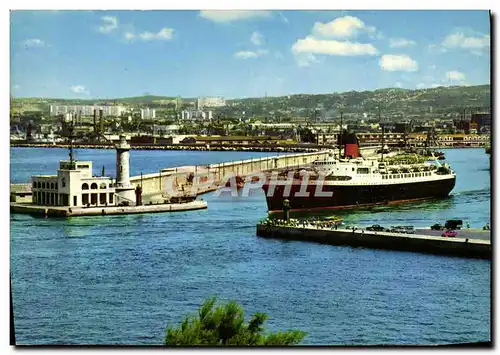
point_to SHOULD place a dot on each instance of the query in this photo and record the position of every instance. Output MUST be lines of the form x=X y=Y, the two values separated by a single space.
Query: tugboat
x=348 y=181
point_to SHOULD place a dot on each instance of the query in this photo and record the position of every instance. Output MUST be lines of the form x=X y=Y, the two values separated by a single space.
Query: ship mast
x=71 y=153
x=340 y=135
x=383 y=132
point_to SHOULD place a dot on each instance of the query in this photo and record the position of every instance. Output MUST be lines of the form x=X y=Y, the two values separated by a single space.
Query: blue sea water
x=123 y=279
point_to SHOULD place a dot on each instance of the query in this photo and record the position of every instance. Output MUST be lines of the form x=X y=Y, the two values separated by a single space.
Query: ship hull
x=355 y=196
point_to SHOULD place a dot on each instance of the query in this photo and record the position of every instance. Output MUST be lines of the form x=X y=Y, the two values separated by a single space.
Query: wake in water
x=485 y=191
x=473 y=196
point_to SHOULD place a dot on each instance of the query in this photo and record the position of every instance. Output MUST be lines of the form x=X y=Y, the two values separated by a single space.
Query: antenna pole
x=71 y=154
x=383 y=132
x=340 y=133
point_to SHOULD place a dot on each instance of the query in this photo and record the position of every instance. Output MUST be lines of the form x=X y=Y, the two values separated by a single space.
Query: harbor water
x=123 y=279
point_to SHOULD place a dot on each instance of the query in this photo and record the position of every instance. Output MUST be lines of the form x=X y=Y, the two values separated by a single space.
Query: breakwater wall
x=52 y=211
x=177 y=177
x=463 y=247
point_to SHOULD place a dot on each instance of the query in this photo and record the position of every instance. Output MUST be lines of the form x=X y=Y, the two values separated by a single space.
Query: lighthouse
x=124 y=190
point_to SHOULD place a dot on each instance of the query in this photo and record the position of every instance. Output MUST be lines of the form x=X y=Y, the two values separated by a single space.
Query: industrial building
x=187 y=115
x=202 y=102
x=87 y=110
x=148 y=113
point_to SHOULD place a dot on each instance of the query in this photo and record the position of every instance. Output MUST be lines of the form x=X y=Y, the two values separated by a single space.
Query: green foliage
x=225 y=326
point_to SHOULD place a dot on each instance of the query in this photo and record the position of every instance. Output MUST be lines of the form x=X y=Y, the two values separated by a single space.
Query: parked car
x=398 y=229
x=375 y=228
x=436 y=227
x=449 y=233
x=453 y=224
x=409 y=229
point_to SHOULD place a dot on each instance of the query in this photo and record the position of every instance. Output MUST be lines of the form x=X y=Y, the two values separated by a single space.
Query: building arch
x=52 y=186
x=93 y=186
x=85 y=186
x=103 y=185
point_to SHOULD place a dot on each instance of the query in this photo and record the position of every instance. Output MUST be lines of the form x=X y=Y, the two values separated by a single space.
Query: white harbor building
x=74 y=185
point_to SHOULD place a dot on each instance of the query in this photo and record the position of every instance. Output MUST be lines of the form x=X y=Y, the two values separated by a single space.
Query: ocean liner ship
x=350 y=181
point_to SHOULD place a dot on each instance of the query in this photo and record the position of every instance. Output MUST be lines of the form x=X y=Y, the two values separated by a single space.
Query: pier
x=52 y=211
x=462 y=247
x=155 y=183
x=181 y=179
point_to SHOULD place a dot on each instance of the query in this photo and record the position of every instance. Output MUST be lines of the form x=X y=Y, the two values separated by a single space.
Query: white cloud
x=434 y=48
x=129 y=35
x=454 y=75
x=165 y=34
x=305 y=60
x=250 y=54
x=222 y=16
x=257 y=38
x=347 y=26
x=401 y=42
x=79 y=89
x=399 y=84
x=477 y=52
x=436 y=85
x=34 y=42
x=16 y=87
x=332 y=47
x=110 y=23
x=395 y=62
x=421 y=86
x=245 y=54
x=432 y=67
x=460 y=40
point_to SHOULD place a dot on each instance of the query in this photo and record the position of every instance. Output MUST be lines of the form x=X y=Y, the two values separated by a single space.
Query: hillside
x=390 y=100
x=441 y=99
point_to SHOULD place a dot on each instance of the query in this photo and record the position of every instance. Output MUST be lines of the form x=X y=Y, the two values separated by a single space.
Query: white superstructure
x=373 y=171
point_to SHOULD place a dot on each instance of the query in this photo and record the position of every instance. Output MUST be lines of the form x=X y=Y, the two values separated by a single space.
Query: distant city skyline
x=237 y=54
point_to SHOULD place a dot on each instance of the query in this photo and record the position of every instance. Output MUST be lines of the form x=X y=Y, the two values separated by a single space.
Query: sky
x=237 y=54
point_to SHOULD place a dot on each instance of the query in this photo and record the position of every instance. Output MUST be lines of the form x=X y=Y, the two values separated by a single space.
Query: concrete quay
x=52 y=211
x=462 y=247
x=158 y=182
